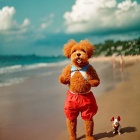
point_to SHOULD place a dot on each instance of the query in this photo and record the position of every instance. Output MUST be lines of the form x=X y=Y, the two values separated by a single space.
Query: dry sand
x=124 y=100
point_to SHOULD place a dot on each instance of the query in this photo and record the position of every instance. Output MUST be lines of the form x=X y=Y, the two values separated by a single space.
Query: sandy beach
x=123 y=100
x=33 y=109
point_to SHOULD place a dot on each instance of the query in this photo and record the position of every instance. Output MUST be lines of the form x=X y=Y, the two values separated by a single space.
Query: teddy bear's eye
x=83 y=50
x=73 y=51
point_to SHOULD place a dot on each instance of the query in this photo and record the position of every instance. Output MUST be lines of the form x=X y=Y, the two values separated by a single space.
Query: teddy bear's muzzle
x=78 y=54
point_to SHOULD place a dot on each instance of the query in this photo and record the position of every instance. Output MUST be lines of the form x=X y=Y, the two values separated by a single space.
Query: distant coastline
x=111 y=47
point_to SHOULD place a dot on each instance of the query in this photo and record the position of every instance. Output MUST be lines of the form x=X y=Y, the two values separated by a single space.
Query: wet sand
x=33 y=109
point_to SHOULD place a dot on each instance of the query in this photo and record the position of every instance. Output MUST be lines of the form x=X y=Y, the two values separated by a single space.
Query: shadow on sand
x=110 y=134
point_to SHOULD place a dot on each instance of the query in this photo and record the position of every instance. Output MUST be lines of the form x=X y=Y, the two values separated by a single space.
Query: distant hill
x=110 y=47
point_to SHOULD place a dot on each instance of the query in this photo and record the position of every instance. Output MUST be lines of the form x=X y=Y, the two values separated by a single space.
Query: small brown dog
x=80 y=77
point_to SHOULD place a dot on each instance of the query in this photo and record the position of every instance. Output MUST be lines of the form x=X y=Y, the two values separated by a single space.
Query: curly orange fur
x=67 y=48
x=88 y=46
x=77 y=83
x=65 y=76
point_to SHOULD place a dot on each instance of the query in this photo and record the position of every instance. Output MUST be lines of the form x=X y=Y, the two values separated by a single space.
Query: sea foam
x=17 y=68
x=12 y=81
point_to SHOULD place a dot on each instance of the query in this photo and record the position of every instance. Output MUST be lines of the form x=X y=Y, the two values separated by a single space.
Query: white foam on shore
x=23 y=68
x=18 y=68
x=12 y=81
x=10 y=69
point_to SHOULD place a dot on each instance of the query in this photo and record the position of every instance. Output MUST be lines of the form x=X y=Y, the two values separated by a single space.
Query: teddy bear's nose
x=78 y=54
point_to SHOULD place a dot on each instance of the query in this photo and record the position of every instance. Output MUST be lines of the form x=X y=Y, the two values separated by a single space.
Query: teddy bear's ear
x=68 y=47
x=88 y=46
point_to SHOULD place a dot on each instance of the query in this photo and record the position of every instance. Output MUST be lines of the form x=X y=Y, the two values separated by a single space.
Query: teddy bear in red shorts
x=80 y=76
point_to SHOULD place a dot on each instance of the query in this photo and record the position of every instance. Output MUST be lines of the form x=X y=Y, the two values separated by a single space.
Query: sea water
x=15 y=69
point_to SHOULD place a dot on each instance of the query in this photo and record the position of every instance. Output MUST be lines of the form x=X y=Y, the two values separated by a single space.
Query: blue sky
x=42 y=27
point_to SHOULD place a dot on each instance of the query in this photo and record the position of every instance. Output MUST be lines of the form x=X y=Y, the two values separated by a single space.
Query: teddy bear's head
x=79 y=52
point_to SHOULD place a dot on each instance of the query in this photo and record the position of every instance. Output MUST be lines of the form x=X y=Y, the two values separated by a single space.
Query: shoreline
x=114 y=60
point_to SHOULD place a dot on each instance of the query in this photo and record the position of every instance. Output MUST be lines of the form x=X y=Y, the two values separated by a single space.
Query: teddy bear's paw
x=90 y=138
x=72 y=138
x=63 y=80
x=94 y=83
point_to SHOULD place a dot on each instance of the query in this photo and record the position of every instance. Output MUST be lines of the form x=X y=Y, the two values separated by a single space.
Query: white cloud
x=26 y=22
x=46 y=21
x=97 y=15
x=8 y=24
x=44 y=25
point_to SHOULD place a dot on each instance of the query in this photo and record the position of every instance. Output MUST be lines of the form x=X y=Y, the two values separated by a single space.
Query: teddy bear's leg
x=71 y=124
x=89 y=124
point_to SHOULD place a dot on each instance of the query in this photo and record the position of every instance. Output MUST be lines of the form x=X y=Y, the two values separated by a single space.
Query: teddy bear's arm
x=64 y=78
x=93 y=78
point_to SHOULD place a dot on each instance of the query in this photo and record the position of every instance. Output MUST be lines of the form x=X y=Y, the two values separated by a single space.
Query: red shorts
x=84 y=103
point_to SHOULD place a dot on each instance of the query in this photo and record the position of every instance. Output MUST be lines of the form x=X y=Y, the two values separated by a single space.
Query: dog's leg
x=114 y=131
x=119 y=130
x=71 y=125
x=89 y=129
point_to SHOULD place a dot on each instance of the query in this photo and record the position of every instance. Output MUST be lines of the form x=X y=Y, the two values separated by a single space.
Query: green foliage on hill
x=110 y=47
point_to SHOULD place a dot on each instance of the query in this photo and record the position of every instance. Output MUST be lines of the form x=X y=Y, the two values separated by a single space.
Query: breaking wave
x=18 y=68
